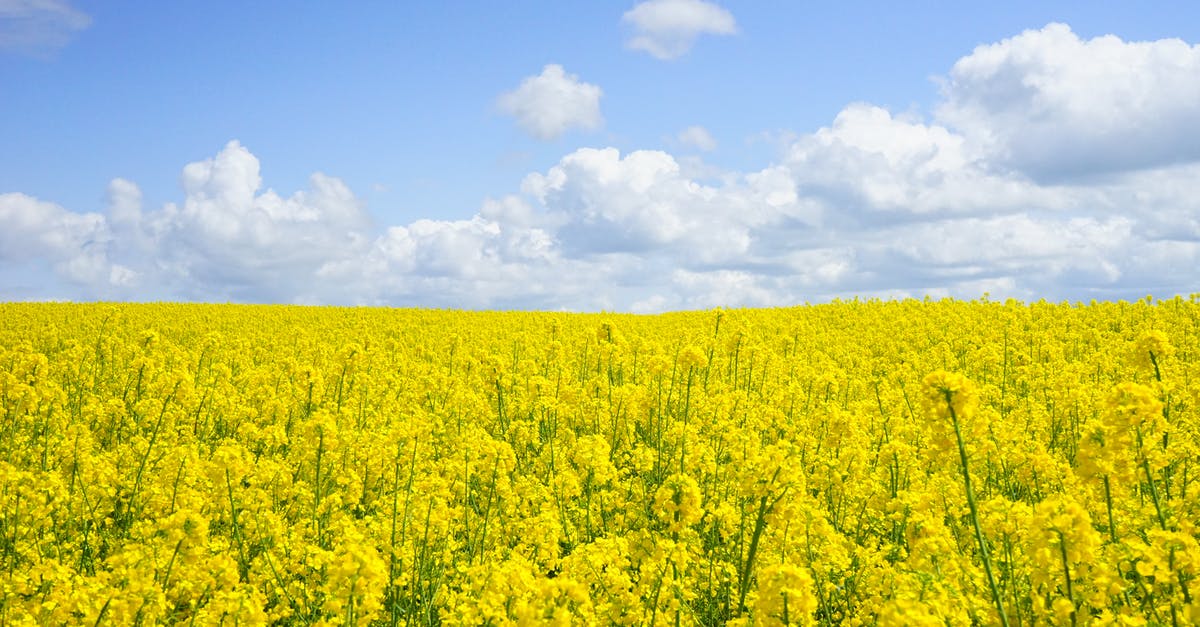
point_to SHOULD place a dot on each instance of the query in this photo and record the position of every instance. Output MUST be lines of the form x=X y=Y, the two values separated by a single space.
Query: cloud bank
x=993 y=194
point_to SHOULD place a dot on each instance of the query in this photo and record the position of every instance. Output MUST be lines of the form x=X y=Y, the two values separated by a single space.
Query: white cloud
x=667 y=29
x=726 y=288
x=229 y=239
x=552 y=103
x=452 y=263
x=1022 y=245
x=601 y=202
x=870 y=161
x=39 y=27
x=77 y=245
x=124 y=202
x=697 y=137
x=655 y=303
x=601 y=230
x=1053 y=106
x=874 y=204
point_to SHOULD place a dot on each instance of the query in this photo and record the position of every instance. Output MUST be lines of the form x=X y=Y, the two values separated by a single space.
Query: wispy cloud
x=39 y=27
x=697 y=137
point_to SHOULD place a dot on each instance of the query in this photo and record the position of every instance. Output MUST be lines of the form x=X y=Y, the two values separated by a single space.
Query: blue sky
x=743 y=153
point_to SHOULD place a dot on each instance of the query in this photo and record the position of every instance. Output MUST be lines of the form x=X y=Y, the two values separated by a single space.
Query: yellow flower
x=209 y=464
x=677 y=502
x=785 y=596
x=947 y=394
x=1151 y=349
x=692 y=357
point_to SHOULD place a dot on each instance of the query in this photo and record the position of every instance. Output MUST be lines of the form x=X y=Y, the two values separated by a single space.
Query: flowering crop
x=858 y=463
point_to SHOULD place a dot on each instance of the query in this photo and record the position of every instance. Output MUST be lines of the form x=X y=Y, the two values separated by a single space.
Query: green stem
x=687 y=402
x=983 y=551
x=1162 y=520
x=760 y=523
x=1112 y=527
x=236 y=529
x=1062 y=550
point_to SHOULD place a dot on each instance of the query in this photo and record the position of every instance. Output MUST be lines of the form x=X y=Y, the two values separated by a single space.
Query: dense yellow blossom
x=858 y=463
x=785 y=596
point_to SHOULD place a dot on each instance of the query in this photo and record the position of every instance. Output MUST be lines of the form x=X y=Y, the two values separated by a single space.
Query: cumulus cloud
x=873 y=204
x=602 y=202
x=715 y=288
x=1038 y=249
x=231 y=239
x=124 y=202
x=667 y=29
x=1054 y=107
x=552 y=103
x=869 y=161
x=76 y=245
x=39 y=27
x=605 y=230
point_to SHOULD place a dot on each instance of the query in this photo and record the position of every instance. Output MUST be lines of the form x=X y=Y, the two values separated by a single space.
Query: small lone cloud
x=553 y=102
x=667 y=29
x=697 y=137
x=39 y=28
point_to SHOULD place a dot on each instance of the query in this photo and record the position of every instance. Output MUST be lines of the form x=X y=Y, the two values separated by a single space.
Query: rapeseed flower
x=208 y=464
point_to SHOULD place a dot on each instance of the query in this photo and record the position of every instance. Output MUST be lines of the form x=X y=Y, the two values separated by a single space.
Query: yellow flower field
x=861 y=463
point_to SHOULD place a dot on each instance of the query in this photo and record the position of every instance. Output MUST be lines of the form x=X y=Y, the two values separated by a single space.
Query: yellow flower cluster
x=857 y=463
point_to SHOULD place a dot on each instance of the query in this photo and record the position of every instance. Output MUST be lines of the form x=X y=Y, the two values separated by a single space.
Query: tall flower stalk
x=952 y=397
